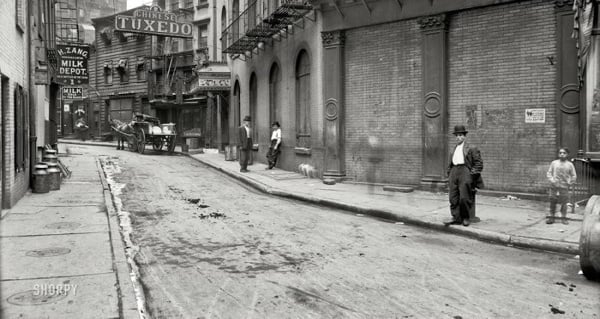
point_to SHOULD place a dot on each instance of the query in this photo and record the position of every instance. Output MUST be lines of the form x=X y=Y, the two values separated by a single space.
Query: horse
x=126 y=128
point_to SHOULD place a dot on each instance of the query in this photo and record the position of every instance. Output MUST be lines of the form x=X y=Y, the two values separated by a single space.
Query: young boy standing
x=561 y=175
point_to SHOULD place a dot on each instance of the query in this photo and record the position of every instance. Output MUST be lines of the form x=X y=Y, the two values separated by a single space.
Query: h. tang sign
x=153 y=21
x=72 y=60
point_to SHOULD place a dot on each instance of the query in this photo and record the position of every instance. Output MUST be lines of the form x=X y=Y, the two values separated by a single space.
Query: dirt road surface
x=212 y=248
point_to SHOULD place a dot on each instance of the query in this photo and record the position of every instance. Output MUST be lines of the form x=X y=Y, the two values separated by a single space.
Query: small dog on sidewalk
x=308 y=170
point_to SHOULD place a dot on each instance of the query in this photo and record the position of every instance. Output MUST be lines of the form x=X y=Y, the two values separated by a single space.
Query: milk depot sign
x=153 y=21
x=72 y=63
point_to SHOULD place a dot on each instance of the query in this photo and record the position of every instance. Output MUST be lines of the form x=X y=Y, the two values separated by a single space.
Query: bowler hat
x=247 y=118
x=460 y=129
x=276 y=124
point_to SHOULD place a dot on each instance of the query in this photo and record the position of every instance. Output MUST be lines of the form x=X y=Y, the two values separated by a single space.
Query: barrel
x=41 y=180
x=54 y=176
x=589 y=240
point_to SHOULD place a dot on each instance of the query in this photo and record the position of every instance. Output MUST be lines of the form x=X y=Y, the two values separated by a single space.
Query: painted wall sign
x=535 y=115
x=153 y=21
x=72 y=63
x=70 y=92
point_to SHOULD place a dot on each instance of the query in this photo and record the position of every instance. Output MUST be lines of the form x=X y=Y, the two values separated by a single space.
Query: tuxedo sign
x=153 y=21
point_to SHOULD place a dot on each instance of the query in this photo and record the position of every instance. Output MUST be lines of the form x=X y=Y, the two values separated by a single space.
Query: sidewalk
x=519 y=223
x=62 y=253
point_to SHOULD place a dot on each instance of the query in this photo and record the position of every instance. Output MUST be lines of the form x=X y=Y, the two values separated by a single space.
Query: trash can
x=54 y=176
x=41 y=181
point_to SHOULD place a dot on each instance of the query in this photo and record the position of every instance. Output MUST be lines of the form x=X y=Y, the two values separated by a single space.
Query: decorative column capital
x=434 y=22
x=333 y=38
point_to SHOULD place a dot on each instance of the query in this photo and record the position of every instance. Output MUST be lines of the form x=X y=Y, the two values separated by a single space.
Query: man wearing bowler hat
x=464 y=173
x=245 y=136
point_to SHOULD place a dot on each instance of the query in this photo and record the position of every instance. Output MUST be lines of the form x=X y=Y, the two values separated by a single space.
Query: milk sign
x=72 y=92
x=72 y=60
x=153 y=21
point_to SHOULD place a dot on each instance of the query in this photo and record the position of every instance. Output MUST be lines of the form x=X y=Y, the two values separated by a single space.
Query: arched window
x=274 y=83
x=223 y=27
x=253 y=102
x=303 y=129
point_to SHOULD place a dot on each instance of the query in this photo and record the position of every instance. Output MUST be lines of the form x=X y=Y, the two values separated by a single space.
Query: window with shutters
x=303 y=129
x=20 y=111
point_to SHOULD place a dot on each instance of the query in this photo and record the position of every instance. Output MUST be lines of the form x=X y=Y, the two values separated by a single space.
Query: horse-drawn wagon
x=144 y=129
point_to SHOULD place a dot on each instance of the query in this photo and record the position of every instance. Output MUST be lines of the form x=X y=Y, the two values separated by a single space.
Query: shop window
x=121 y=109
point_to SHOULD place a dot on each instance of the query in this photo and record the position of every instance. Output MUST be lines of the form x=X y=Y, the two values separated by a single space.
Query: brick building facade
x=389 y=80
x=14 y=66
x=25 y=93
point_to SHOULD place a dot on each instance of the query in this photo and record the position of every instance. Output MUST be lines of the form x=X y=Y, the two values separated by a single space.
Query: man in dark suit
x=245 y=138
x=464 y=173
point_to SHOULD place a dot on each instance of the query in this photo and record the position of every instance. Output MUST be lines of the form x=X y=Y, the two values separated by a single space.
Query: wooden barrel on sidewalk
x=589 y=240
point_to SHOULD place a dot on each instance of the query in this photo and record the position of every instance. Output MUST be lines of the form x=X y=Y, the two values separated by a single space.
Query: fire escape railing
x=260 y=22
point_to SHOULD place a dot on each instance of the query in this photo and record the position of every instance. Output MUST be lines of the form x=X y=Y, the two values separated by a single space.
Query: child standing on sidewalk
x=561 y=175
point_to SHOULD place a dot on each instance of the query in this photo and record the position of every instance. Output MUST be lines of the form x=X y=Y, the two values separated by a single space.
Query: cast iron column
x=434 y=103
x=333 y=96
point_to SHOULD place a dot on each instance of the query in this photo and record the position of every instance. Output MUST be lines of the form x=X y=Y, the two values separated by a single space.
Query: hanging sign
x=72 y=63
x=153 y=21
x=72 y=92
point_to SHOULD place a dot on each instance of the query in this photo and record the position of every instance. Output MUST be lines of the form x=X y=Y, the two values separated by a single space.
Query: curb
x=479 y=234
x=128 y=308
x=84 y=143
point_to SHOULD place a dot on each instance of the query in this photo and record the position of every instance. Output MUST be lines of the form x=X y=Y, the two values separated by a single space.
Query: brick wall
x=383 y=90
x=13 y=66
x=498 y=67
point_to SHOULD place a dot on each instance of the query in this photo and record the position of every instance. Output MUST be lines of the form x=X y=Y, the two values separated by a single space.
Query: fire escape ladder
x=252 y=30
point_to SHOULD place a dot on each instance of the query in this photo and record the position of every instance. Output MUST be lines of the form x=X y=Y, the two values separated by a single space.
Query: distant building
x=190 y=79
x=74 y=25
x=118 y=74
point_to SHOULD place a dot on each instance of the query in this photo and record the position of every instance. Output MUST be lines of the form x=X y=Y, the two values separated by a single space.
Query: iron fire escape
x=260 y=22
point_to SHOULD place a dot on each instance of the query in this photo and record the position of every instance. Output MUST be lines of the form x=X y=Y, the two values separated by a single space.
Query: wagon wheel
x=157 y=144
x=141 y=140
x=171 y=144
